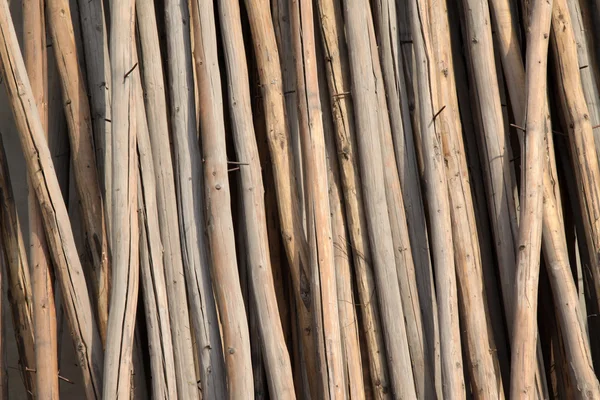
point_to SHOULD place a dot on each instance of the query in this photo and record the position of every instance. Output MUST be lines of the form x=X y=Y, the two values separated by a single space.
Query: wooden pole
x=276 y=357
x=436 y=192
x=318 y=214
x=44 y=311
x=77 y=111
x=373 y=188
x=530 y=230
x=56 y=221
x=338 y=80
x=152 y=268
x=188 y=175
x=125 y=232
x=224 y=267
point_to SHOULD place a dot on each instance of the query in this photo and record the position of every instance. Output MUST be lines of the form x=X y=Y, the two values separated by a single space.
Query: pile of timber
x=296 y=199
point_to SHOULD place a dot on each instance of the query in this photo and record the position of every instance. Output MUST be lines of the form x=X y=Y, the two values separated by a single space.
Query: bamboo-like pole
x=483 y=370
x=436 y=190
x=56 y=221
x=125 y=232
x=224 y=267
x=574 y=113
x=373 y=188
x=97 y=61
x=338 y=80
x=405 y=267
x=392 y=65
x=588 y=68
x=284 y=174
x=44 y=311
x=77 y=112
x=524 y=337
x=188 y=175
x=19 y=285
x=318 y=214
x=152 y=268
x=353 y=368
x=263 y=297
x=158 y=127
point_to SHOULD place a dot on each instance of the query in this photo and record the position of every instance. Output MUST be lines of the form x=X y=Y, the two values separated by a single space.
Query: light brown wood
x=436 y=192
x=284 y=174
x=44 y=312
x=479 y=342
x=263 y=297
x=523 y=367
x=353 y=368
x=320 y=240
x=152 y=269
x=77 y=111
x=97 y=62
x=373 y=187
x=56 y=221
x=338 y=80
x=221 y=238
x=118 y=363
x=394 y=87
x=158 y=127
x=188 y=175
x=20 y=296
x=405 y=266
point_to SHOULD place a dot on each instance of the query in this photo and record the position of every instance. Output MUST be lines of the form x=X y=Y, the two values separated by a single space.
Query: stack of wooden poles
x=296 y=199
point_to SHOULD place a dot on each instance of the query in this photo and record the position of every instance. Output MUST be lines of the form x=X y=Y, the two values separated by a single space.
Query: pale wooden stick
x=338 y=80
x=405 y=266
x=125 y=232
x=524 y=336
x=56 y=221
x=224 y=267
x=373 y=187
x=353 y=369
x=97 y=62
x=326 y=314
x=263 y=297
x=19 y=286
x=436 y=190
x=479 y=341
x=588 y=68
x=280 y=10
x=284 y=173
x=158 y=127
x=44 y=311
x=84 y=161
x=152 y=269
x=385 y=16
x=188 y=175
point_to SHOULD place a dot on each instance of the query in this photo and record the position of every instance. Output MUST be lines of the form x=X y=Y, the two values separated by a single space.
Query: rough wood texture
x=56 y=221
x=378 y=224
x=44 y=312
x=284 y=174
x=152 y=268
x=221 y=238
x=158 y=127
x=188 y=175
x=320 y=239
x=275 y=353
x=19 y=282
x=353 y=368
x=77 y=111
x=338 y=80
x=524 y=337
x=97 y=62
x=118 y=364
x=436 y=189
